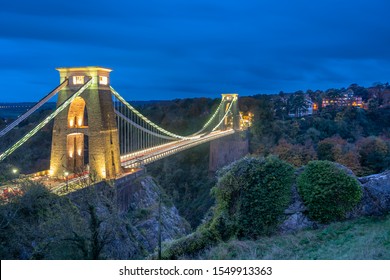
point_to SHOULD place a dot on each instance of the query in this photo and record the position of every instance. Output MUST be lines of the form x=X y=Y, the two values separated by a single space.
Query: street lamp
x=15 y=173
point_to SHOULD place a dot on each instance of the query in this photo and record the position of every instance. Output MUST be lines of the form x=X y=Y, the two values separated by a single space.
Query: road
x=141 y=158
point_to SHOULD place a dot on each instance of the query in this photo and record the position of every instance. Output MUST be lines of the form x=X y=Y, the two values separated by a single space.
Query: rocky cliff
x=144 y=215
x=132 y=234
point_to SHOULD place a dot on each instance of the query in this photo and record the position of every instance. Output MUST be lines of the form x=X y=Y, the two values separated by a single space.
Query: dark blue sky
x=191 y=48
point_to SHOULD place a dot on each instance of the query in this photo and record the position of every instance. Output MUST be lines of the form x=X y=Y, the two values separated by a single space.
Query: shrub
x=188 y=245
x=251 y=195
x=327 y=191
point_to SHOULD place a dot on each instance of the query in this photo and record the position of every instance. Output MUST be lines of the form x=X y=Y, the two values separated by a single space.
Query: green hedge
x=251 y=195
x=328 y=191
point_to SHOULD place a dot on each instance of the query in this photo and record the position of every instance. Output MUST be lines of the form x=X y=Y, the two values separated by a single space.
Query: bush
x=188 y=245
x=251 y=195
x=327 y=191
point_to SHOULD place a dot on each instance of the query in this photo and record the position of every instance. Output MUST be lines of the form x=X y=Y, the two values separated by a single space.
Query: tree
x=281 y=106
x=374 y=154
x=333 y=93
x=351 y=160
x=297 y=154
x=360 y=91
x=331 y=148
x=298 y=103
x=38 y=224
x=338 y=150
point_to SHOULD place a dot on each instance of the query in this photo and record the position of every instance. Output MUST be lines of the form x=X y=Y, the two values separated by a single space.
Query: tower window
x=78 y=80
x=103 y=80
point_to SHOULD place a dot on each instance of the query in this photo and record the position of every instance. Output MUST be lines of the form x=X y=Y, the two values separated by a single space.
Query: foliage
x=185 y=179
x=35 y=225
x=189 y=245
x=297 y=154
x=251 y=194
x=374 y=153
x=330 y=148
x=350 y=159
x=338 y=150
x=327 y=191
x=297 y=103
x=41 y=225
x=333 y=133
x=182 y=116
x=34 y=155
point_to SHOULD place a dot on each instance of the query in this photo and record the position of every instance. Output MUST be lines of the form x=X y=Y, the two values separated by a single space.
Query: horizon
x=374 y=84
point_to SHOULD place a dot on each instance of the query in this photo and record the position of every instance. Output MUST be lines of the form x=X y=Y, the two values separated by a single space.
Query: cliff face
x=144 y=215
x=114 y=234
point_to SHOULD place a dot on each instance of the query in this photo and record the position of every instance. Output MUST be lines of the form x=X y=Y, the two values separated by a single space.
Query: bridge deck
x=141 y=158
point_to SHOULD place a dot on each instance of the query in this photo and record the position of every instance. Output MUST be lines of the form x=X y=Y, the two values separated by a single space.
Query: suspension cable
x=119 y=114
x=226 y=113
x=39 y=104
x=45 y=121
x=146 y=119
x=173 y=135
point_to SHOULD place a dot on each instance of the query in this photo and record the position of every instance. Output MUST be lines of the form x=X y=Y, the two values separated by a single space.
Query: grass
x=360 y=239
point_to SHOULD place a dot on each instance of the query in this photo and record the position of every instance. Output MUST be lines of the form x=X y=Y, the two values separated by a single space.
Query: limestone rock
x=294 y=218
x=144 y=212
x=345 y=169
x=296 y=221
x=131 y=234
x=376 y=195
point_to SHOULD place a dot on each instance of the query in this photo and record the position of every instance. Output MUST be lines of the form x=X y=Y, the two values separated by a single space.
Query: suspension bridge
x=97 y=131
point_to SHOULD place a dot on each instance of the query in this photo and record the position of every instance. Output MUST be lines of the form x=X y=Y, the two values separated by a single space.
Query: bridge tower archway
x=86 y=132
x=75 y=142
x=232 y=120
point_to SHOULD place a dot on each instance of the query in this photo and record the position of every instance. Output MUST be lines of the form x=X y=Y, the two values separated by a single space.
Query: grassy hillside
x=364 y=238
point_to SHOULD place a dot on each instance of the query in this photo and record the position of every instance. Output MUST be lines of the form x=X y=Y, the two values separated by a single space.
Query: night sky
x=166 y=49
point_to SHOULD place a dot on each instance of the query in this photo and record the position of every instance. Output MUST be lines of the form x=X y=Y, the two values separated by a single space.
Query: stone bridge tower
x=85 y=134
x=230 y=148
x=233 y=119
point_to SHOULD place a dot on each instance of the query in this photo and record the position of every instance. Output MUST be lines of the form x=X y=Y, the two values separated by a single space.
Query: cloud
x=178 y=48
